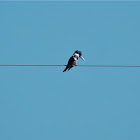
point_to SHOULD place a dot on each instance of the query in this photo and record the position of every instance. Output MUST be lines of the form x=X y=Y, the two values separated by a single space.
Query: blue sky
x=43 y=103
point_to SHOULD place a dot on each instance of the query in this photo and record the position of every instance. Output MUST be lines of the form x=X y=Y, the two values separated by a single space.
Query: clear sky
x=86 y=103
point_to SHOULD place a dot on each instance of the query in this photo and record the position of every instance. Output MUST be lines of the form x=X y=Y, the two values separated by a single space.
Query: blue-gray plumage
x=73 y=60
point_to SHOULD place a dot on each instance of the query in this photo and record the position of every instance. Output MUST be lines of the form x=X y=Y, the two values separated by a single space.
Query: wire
x=110 y=65
x=38 y=65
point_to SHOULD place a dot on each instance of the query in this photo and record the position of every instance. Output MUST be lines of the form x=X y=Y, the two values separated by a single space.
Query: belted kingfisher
x=73 y=60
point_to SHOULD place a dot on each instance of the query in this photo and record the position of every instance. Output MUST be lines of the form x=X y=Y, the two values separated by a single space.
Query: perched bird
x=73 y=60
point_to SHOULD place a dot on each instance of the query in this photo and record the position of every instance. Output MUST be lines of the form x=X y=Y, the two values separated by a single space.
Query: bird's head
x=79 y=54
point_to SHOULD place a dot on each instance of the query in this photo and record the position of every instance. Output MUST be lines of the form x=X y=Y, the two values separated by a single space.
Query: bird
x=73 y=60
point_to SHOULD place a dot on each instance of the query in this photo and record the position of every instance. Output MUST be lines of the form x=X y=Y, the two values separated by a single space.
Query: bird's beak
x=82 y=58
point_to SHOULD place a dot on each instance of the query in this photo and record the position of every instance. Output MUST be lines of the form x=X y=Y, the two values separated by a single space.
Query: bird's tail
x=65 y=69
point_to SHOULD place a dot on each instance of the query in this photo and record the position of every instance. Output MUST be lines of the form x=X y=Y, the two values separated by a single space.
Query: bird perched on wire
x=73 y=60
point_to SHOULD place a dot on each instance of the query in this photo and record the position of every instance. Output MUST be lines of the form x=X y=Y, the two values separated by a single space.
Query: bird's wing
x=70 y=61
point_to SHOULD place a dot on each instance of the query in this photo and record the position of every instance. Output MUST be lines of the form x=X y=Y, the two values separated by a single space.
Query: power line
x=38 y=65
x=110 y=65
